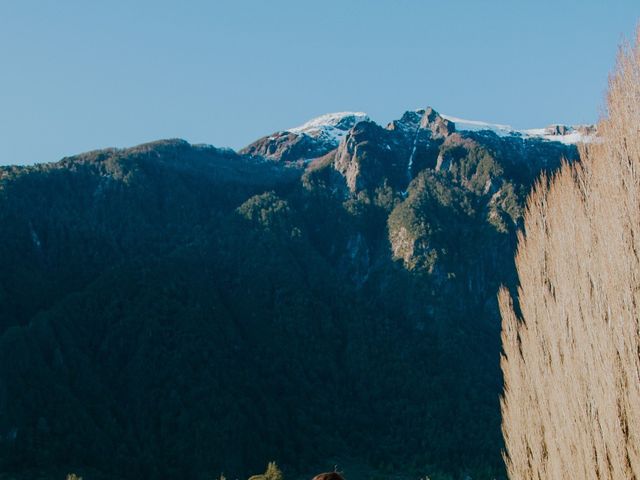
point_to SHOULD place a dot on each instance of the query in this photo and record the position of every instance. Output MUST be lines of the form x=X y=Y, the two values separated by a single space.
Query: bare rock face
x=370 y=154
x=366 y=157
x=403 y=246
x=426 y=121
x=439 y=126
x=453 y=149
x=557 y=130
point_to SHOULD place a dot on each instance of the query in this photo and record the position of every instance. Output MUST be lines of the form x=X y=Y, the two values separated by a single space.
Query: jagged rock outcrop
x=365 y=157
x=423 y=119
x=370 y=154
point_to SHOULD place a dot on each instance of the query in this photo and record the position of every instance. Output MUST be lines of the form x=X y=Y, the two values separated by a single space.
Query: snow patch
x=572 y=136
x=477 y=126
x=330 y=127
x=569 y=135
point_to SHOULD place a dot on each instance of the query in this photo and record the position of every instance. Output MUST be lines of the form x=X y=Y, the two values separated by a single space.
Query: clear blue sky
x=77 y=75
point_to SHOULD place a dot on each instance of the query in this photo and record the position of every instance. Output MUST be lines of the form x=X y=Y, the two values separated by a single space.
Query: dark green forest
x=178 y=311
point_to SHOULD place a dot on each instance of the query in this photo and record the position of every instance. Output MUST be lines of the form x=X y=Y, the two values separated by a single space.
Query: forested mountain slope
x=176 y=310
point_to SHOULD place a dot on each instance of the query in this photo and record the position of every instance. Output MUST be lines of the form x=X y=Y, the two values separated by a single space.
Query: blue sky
x=76 y=75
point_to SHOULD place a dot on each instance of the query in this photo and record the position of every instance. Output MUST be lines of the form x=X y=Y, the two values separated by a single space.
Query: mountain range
x=325 y=295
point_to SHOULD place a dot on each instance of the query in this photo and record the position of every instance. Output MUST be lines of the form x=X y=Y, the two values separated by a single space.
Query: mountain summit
x=322 y=134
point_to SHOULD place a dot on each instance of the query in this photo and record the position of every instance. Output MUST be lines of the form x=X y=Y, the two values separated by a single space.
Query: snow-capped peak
x=475 y=125
x=339 y=120
x=568 y=135
x=331 y=126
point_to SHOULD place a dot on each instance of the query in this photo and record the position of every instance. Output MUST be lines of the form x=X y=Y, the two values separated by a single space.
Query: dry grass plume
x=571 y=362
